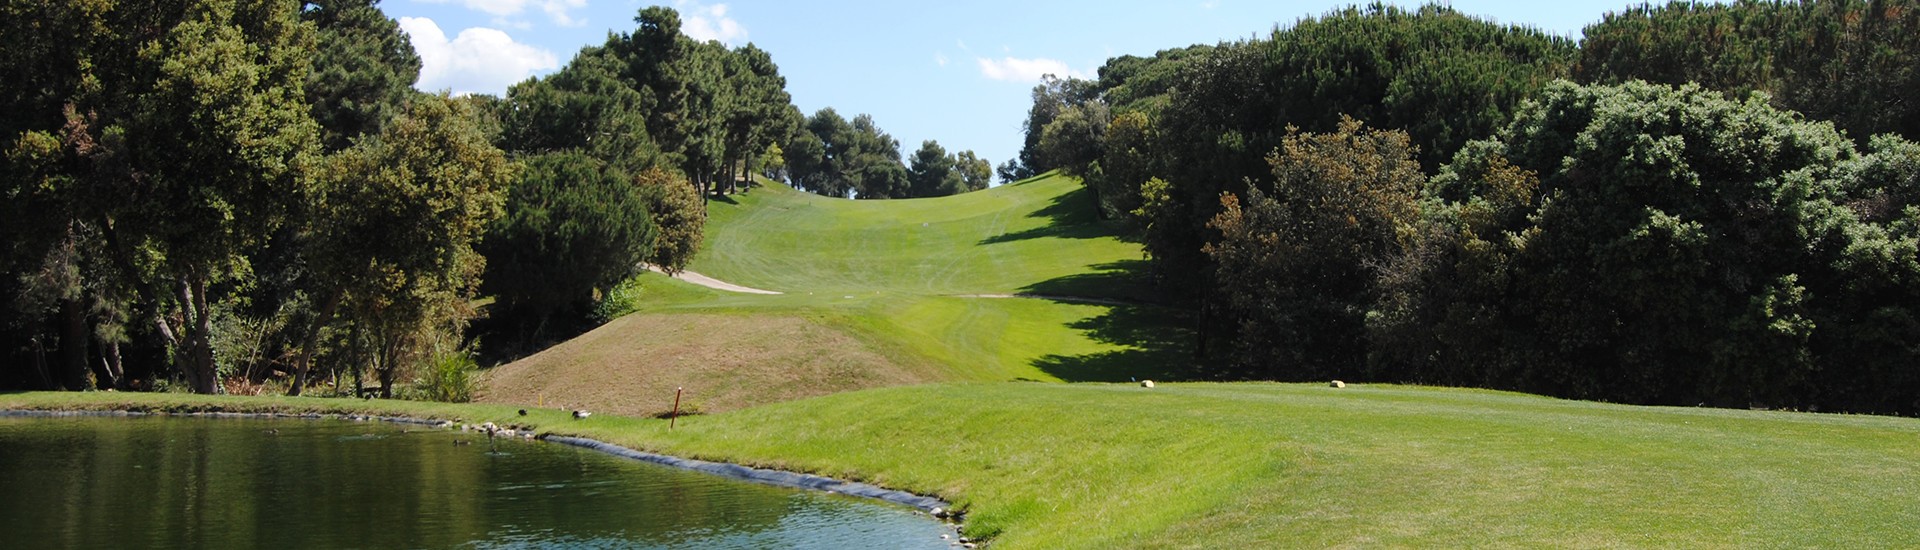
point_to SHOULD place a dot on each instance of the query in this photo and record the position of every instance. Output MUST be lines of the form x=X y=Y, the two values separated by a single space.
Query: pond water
x=149 y=482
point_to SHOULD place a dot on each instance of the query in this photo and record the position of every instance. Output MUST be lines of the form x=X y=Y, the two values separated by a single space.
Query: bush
x=449 y=378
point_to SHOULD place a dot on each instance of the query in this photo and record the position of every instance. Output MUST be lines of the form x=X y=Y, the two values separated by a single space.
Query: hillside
x=893 y=292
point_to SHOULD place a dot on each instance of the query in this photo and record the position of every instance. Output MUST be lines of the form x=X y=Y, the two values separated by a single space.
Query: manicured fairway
x=1093 y=465
x=1287 y=465
x=893 y=291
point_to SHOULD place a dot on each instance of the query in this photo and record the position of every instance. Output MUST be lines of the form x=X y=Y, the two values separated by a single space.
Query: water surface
x=240 y=483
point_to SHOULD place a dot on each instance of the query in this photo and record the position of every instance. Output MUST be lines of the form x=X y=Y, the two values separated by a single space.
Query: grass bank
x=1277 y=465
x=883 y=293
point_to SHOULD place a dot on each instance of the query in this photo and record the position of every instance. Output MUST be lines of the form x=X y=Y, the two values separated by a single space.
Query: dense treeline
x=223 y=193
x=1853 y=62
x=1417 y=196
x=832 y=156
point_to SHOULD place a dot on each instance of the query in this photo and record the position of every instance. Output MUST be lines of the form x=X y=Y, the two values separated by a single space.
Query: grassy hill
x=881 y=294
x=904 y=282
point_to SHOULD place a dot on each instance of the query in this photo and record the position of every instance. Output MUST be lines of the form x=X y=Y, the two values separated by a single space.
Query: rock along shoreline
x=764 y=476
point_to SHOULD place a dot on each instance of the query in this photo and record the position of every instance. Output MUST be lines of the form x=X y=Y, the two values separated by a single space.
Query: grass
x=882 y=290
x=1038 y=235
x=1286 y=465
x=888 y=291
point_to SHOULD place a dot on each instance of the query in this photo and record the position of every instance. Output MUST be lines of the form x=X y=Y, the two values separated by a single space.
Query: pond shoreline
x=765 y=476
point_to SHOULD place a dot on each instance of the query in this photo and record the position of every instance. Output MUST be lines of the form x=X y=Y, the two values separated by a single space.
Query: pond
x=152 y=482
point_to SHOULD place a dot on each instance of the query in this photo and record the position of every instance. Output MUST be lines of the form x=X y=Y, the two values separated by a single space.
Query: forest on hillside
x=1694 y=204
x=232 y=195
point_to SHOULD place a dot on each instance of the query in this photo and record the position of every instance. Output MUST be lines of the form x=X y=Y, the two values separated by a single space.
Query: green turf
x=1039 y=235
x=1289 y=466
x=909 y=276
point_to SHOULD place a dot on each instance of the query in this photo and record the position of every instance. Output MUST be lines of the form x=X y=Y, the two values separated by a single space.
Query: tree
x=1295 y=267
x=1050 y=98
x=1848 y=61
x=930 y=172
x=1443 y=77
x=1682 y=248
x=399 y=216
x=1127 y=161
x=573 y=228
x=364 y=70
x=217 y=141
x=975 y=172
x=586 y=106
x=836 y=157
x=677 y=211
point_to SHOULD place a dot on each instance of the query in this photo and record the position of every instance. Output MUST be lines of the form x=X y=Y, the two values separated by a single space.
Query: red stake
x=675 y=417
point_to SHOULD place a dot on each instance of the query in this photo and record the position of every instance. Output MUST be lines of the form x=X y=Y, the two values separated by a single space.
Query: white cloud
x=478 y=60
x=940 y=58
x=1024 y=70
x=705 y=23
x=556 y=9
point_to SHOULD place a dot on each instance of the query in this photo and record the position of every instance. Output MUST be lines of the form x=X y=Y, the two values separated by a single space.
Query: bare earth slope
x=725 y=361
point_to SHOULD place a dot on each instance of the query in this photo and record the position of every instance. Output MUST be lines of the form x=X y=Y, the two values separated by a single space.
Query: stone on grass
x=1146 y=383
x=1338 y=384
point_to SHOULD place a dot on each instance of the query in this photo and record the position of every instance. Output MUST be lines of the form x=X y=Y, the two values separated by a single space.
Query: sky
x=956 y=72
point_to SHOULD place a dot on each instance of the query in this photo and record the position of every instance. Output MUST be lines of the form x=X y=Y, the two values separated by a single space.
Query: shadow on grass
x=1158 y=342
x=1072 y=215
x=1124 y=281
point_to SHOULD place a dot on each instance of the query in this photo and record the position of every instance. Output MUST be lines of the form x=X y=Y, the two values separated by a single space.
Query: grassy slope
x=890 y=277
x=1273 y=465
x=1034 y=236
x=1216 y=465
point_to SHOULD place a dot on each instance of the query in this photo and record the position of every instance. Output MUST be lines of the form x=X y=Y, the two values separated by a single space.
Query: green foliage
x=930 y=170
x=975 y=173
x=587 y=106
x=1295 y=268
x=391 y=247
x=677 y=213
x=1848 y=61
x=837 y=158
x=1683 y=248
x=1072 y=141
x=573 y=228
x=934 y=173
x=363 y=72
x=449 y=377
x=1442 y=77
x=1051 y=98
x=624 y=298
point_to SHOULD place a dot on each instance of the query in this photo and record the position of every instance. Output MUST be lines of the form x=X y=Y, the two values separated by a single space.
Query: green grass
x=1038 y=235
x=1276 y=465
x=905 y=276
x=1048 y=465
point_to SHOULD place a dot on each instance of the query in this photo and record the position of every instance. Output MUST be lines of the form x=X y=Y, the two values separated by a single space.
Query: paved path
x=711 y=282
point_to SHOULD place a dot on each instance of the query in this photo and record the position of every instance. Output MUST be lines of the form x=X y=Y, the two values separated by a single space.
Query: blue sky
x=956 y=72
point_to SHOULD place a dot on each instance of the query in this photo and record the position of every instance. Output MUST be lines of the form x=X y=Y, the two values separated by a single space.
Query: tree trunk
x=42 y=381
x=196 y=354
x=73 y=345
x=309 y=340
x=109 y=373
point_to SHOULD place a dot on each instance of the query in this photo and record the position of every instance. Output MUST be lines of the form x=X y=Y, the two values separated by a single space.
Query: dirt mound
x=632 y=365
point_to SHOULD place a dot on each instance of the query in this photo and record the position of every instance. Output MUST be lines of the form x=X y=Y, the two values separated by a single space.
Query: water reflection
x=224 y=483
